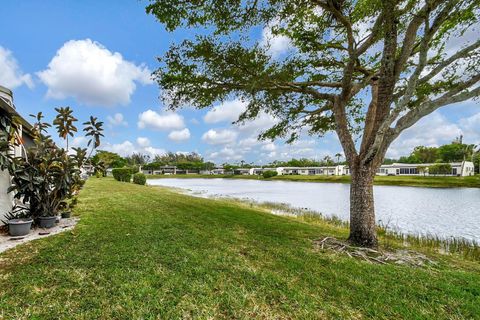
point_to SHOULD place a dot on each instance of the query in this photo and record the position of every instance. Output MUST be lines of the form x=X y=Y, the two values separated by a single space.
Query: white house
x=24 y=136
x=463 y=169
x=218 y=170
x=339 y=170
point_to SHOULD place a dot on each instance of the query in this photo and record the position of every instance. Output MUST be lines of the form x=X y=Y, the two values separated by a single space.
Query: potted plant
x=48 y=175
x=67 y=208
x=42 y=178
x=19 y=221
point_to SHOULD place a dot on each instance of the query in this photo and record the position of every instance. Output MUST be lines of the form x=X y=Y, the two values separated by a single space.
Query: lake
x=445 y=212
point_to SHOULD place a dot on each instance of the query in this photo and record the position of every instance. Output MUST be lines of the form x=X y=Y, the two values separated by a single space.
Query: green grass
x=413 y=181
x=149 y=253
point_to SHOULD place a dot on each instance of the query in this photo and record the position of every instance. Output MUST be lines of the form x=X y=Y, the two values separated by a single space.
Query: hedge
x=269 y=174
x=122 y=174
x=139 y=178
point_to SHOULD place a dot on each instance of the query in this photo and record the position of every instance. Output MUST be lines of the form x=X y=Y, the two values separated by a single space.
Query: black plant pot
x=47 y=222
x=66 y=215
x=19 y=227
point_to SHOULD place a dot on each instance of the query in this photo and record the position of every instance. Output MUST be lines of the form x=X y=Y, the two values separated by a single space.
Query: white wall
x=6 y=200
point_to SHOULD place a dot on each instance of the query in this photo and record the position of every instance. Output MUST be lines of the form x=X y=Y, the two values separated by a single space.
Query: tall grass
x=388 y=237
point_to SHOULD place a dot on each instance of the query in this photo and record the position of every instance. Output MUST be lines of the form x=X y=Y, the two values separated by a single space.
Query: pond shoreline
x=401 y=181
x=400 y=210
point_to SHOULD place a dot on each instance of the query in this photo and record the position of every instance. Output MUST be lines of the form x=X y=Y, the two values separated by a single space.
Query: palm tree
x=328 y=160
x=338 y=156
x=64 y=121
x=94 y=129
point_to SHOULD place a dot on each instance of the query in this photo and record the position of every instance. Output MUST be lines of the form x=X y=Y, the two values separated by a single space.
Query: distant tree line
x=183 y=161
x=455 y=151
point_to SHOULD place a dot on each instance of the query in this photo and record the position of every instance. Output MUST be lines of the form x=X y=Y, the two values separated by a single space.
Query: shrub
x=122 y=174
x=269 y=174
x=134 y=169
x=440 y=168
x=139 y=178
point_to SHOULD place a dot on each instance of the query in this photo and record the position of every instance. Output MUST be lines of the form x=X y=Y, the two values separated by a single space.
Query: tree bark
x=362 y=212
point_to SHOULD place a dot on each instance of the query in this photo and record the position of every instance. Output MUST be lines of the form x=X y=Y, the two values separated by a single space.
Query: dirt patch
x=8 y=242
x=398 y=257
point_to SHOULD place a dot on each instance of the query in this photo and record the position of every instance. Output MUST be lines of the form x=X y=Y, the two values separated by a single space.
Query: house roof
x=414 y=165
x=7 y=106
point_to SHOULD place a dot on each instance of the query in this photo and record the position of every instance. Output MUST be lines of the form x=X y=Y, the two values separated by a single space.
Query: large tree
x=368 y=69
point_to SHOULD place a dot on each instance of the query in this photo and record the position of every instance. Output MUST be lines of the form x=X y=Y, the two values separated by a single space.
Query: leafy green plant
x=94 y=130
x=43 y=178
x=47 y=176
x=139 y=178
x=122 y=174
x=64 y=122
x=8 y=139
x=269 y=174
x=440 y=168
x=17 y=212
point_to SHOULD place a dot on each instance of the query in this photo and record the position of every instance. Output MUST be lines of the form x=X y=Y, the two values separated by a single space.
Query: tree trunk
x=362 y=212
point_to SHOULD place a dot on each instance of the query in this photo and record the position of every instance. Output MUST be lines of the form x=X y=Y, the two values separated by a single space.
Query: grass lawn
x=149 y=253
x=438 y=181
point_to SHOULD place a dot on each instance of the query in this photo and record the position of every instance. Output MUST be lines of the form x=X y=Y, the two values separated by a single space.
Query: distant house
x=218 y=170
x=462 y=169
x=339 y=170
x=24 y=136
x=242 y=171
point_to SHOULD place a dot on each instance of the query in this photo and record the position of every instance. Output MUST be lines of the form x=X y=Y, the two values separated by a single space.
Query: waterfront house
x=243 y=171
x=24 y=139
x=339 y=170
x=462 y=169
x=218 y=170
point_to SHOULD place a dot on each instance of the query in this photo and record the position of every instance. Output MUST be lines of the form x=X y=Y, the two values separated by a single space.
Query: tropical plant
x=94 y=130
x=42 y=179
x=8 y=139
x=46 y=177
x=422 y=170
x=367 y=69
x=440 y=168
x=65 y=123
x=18 y=211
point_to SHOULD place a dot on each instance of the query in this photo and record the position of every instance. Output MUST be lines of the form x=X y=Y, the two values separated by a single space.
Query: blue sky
x=96 y=56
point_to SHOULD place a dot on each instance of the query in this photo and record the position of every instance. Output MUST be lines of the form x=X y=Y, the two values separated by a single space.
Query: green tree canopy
x=455 y=152
x=109 y=159
x=368 y=69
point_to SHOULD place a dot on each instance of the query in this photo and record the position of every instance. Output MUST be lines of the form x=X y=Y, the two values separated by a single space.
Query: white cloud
x=262 y=122
x=276 y=44
x=117 y=120
x=143 y=142
x=269 y=147
x=126 y=148
x=10 y=74
x=152 y=120
x=471 y=128
x=227 y=111
x=153 y=151
x=179 y=135
x=431 y=131
x=92 y=74
x=222 y=136
x=225 y=154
